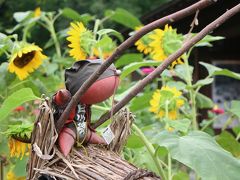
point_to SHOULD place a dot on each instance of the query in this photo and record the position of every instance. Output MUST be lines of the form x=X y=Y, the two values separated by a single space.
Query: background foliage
x=166 y=137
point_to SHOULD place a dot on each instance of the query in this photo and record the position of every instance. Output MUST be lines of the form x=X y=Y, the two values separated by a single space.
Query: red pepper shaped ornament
x=77 y=127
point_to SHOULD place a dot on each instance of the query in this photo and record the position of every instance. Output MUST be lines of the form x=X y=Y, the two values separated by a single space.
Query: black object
x=82 y=70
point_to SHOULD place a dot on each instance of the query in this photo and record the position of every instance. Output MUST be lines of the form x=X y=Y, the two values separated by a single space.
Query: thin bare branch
x=186 y=46
x=125 y=45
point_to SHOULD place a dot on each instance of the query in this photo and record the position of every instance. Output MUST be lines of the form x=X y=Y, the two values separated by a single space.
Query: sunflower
x=166 y=95
x=17 y=148
x=80 y=41
x=37 y=12
x=12 y=176
x=25 y=60
x=164 y=43
x=143 y=43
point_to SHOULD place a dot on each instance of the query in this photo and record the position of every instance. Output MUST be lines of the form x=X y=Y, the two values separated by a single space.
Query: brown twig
x=194 y=23
x=186 y=46
x=126 y=44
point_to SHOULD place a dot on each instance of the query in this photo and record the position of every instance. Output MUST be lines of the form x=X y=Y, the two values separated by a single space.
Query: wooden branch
x=125 y=45
x=186 y=46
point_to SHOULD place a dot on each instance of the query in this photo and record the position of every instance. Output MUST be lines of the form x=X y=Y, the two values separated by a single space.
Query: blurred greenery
x=136 y=7
x=165 y=135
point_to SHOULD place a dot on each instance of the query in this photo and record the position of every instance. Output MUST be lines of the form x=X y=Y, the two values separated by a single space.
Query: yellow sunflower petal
x=75 y=32
x=26 y=60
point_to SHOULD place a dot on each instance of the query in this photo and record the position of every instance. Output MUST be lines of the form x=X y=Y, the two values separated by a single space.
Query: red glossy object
x=62 y=97
x=100 y=90
x=66 y=140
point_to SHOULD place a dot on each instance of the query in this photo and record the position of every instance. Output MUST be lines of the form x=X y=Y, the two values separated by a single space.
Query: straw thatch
x=88 y=162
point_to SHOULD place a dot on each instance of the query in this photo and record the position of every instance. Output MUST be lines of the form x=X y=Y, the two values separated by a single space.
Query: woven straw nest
x=88 y=162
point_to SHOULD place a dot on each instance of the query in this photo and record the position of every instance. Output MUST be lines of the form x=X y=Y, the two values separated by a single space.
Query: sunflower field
x=167 y=138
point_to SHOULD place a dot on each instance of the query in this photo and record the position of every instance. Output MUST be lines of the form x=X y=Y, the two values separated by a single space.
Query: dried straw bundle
x=89 y=162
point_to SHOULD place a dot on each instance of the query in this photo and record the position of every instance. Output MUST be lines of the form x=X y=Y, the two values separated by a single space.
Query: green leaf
x=124 y=17
x=142 y=159
x=51 y=68
x=200 y=152
x=228 y=73
x=181 y=176
x=71 y=14
x=236 y=130
x=121 y=95
x=14 y=100
x=20 y=167
x=213 y=70
x=203 y=82
x=140 y=102
x=180 y=125
x=5 y=43
x=229 y=143
x=160 y=151
x=104 y=41
x=23 y=130
x=134 y=141
x=129 y=58
x=110 y=32
x=179 y=85
x=207 y=39
x=74 y=15
x=134 y=66
x=235 y=108
x=182 y=72
x=21 y=16
x=203 y=101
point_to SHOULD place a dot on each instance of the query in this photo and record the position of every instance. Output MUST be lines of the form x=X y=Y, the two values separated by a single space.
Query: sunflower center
x=24 y=60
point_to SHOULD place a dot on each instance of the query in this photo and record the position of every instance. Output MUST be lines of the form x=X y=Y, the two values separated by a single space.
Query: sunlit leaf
x=203 y=82
x=207 y=39
x=14 y=100
x=179 y=85
x=180 y=125
x=134 y=141
x=181 y=176
x=74 y=15
x=235 y=108
x=229 y=143
x=200 y=152
x=203 y=101
x=21 y=16
x=104 y=41
x=124 y=17
x=213 y=70
x=183 y=73
x=134 y=66
x=140 y=102
x=110 y=32
x=127 y=59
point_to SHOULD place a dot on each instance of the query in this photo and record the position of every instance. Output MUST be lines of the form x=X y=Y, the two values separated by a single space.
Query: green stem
x=100 y=108
x=192 y=95
x=169 y=167
x=25 y=32
x=238 y=136
x=150 y=149
x=166 y=115
x=95 y=29
x=55 y=40
x=207 y=124
x=229 y=120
